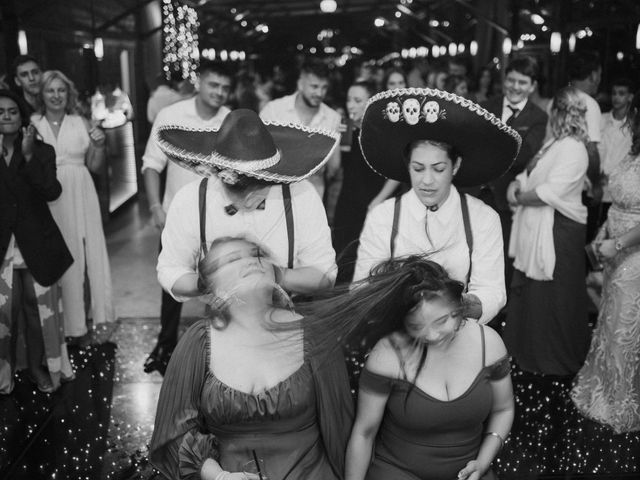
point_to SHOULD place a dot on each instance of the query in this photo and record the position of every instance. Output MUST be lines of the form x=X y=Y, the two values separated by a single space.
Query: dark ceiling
x=239 y=25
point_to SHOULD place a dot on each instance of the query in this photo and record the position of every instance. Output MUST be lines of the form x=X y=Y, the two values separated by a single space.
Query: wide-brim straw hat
x=244 y=144
x=394 y=119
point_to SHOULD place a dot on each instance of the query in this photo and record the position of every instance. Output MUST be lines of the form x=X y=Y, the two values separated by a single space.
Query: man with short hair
x=305 y=107
x=457 y=67
x=585 y=73
x=515 y=109
x=205 y=110
x=27 y=76
x=615 y=136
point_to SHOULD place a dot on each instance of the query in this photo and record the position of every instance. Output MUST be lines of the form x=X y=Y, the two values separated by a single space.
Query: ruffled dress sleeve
x=179 y=446
x=499 y=369
x=334 y=406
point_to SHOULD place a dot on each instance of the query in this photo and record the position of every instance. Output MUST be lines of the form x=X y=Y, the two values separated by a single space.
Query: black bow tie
x=433 y=208
x=231 y=209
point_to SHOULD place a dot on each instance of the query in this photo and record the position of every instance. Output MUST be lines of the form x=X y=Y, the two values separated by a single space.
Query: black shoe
x=157 y=361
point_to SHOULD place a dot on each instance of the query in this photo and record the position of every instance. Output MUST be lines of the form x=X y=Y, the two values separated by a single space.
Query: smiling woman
x=239 y=389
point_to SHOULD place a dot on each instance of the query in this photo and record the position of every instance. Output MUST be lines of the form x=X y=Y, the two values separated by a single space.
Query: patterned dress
x=607 y=388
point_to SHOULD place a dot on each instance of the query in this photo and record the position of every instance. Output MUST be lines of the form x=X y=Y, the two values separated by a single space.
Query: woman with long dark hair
x=361 y=190
x=435 y=399
x=606 y=387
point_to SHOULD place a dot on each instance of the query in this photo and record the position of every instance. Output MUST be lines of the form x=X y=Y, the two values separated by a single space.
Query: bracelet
x=497 y=435
x=222 y=475
x=618 y=245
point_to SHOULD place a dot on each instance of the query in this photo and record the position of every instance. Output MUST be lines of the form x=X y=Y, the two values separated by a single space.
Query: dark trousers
x=170 y=310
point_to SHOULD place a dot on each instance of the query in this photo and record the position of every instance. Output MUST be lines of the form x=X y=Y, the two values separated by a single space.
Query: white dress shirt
x=614 y=146
x=181 y=235
x=283 y=110
x=507 y=113
x=449 y=247
x=182 y=114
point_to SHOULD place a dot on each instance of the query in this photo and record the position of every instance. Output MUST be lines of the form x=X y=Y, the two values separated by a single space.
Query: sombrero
x=274 y=152
x=395 y=118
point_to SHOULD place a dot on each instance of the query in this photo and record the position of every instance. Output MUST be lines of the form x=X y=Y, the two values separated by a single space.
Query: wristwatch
x=618 y=245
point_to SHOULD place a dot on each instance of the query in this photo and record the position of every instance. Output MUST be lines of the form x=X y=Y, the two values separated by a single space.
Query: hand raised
x=28 y=141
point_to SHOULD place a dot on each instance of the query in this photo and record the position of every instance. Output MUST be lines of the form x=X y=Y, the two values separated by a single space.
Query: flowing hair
x=72 y=94
x=568 y=112
x=375 y=307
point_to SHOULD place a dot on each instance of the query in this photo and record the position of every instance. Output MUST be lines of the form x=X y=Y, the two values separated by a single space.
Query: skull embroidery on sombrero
x=396 y=118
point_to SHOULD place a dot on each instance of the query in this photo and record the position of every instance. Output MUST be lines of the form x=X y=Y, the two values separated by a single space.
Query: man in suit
x=515 y=109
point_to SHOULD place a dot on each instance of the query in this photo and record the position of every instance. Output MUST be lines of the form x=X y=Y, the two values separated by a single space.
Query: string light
x=555 y=42
x=473 y=48
x=180 y=35
x=22 y=42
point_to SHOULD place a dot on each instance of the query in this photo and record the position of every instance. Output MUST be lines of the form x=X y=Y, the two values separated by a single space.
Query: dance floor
x=99 y=425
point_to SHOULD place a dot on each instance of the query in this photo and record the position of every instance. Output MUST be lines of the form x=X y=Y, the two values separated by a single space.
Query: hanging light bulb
x=328 y=6
x=473 y=48
x=555 y=43
x=453 y=49
x=638 y=38
x=435 y=51
x=572 y=43
x=98 y=48
x=22 y=42
x=507 y=45
x=461 y=48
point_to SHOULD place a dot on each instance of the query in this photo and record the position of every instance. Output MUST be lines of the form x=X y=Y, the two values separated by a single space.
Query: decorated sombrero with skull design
x=396 y=118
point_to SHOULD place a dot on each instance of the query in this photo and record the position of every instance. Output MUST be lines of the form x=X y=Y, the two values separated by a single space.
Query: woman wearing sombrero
x=255 y=187
x=436 y=141
x=435 y=399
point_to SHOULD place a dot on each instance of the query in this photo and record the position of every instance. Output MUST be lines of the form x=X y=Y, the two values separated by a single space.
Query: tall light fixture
x=328 y=6
x=22 y=42
x=638 y=38
x=555 y=43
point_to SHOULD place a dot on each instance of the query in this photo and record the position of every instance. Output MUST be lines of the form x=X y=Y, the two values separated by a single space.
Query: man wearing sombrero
x=431 y=139
x=254 y=187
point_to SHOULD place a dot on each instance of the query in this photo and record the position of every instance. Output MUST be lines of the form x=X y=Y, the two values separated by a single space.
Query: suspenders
x=288 y=213
x=468 y=233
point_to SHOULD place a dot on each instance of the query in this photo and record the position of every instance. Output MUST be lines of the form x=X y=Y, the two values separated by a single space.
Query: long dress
x=425 y=438
x=546 y=328
x=360 y=185
x=607 y=388
x=299 y=428
x=77 y=213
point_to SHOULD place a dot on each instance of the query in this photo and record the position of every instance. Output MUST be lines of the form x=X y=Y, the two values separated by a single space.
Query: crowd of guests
x=427 y=238
x=55 y=279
